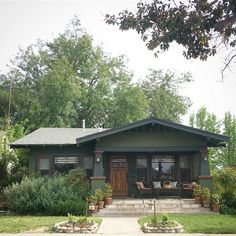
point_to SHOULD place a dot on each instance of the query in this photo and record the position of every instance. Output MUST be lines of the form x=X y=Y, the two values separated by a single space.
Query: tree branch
x=226 y=65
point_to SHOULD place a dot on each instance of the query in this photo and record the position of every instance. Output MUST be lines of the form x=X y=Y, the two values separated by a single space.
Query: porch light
x=98 y=159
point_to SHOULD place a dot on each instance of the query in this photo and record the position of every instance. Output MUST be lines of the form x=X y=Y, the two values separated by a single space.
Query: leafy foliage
x=218 y=157
x=13 y=164
x=59 y=83
x=163 y=93
x=46 y=195
x=199 y=26
x=226 y=178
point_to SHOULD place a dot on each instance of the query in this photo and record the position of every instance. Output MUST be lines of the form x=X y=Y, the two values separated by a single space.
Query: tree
x=201 y=27
x=218 y=157
x=59 y=83
x=129 y=104
x=229 y=129
x=163 y=93
x=208 y=121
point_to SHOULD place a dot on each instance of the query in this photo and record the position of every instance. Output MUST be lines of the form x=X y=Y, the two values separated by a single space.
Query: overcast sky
x=23 y=22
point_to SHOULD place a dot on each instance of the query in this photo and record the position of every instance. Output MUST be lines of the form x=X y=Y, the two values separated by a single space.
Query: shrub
x=46 y=195
x=226 y=179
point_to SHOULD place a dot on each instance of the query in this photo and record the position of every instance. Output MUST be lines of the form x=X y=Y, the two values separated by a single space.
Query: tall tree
x=60 y=82
x=218 y=157
x=201 y=27
x=129 y=104
x=209 y=122
x=163 y=93
x=229 y=129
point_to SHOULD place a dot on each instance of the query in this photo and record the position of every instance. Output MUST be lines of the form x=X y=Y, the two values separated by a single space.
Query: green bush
x=46 y=195
x=226 y=183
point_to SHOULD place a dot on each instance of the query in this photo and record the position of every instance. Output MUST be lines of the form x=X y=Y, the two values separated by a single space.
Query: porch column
x=98 y=164
x=205 y=179
x=98 y=178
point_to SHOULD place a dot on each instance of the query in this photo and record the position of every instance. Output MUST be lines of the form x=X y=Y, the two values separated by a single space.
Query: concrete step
x=140 y=207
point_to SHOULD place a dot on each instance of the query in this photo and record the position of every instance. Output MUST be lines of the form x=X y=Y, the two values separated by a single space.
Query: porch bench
x=171 y=189
x=142 y=189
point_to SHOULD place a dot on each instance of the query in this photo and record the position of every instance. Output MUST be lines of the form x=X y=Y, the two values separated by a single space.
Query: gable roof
x=213 y=138
x=53 y=136
x=73 y=136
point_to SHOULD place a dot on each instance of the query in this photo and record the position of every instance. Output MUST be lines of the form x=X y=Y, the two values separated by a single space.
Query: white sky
x=23 y=22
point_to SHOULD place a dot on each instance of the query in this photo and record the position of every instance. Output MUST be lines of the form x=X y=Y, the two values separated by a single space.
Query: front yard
x=17 y=224
x=201 y=223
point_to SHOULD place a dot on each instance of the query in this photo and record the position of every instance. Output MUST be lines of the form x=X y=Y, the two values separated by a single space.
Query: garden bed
x=200 y=223
x=76 y=227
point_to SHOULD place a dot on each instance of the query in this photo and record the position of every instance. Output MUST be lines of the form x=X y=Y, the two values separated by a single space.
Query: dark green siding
x=149 y=139
x=52 y=151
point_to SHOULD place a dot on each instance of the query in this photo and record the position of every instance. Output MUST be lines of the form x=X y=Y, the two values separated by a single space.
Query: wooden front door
x=119 y=175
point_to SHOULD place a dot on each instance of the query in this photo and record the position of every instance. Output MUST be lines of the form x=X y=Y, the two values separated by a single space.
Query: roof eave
x=216 y=137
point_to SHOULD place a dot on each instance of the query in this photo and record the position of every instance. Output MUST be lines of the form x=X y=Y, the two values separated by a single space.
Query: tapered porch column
x=98 y=164
x=98 y=178
x=205 y=179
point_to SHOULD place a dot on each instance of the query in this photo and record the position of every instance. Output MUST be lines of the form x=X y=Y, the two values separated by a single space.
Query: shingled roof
x=54 y=136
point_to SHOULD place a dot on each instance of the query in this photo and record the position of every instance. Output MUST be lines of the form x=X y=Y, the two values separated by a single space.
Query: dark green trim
x=151 y=149
x=212 y=138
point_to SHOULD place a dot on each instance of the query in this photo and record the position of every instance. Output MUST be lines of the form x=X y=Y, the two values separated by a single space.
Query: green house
x=147 y=150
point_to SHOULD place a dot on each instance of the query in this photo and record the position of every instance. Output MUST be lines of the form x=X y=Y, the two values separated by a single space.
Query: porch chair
x=142 y=189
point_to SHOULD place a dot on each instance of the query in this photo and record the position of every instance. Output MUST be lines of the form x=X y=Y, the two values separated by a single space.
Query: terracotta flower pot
x=206 y=203
x=100 y=204
x=198 y=200
x=108 y=201
x=215 y=207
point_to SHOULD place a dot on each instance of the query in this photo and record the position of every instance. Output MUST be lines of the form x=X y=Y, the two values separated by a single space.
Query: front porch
x=124 y=169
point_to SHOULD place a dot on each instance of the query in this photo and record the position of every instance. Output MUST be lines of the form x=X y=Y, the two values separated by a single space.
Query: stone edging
x=67 y=227
x=178 y=228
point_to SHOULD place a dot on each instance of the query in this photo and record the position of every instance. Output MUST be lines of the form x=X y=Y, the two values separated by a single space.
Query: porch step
x=140 y=207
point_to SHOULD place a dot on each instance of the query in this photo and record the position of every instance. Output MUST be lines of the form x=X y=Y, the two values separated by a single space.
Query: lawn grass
x=201 y=223
x=17 y=224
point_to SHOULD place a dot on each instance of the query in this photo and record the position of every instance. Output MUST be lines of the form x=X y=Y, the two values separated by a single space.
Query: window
x=44 y=165
x=65 y=164
x=163 y=167
x=185 y=168
x=141 y=168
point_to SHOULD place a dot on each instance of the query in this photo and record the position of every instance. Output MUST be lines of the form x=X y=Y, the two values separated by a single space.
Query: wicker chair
x=142 y=189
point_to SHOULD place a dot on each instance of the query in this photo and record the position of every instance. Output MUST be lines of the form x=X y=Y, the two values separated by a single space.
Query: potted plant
x=206 y=197
x=215 y=202
x=107 y=190
x=92 y=200
x=197 y=193
x=99 y=195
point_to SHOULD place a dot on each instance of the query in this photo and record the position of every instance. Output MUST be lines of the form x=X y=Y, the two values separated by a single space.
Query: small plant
x=92 y=199
x=165 y=218
x=215 y=199
x=107 y=190
x=71 y=218
x=206 y=194
x=197 y=191
x=99 y=194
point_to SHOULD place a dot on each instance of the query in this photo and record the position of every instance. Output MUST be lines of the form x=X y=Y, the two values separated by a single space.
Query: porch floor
x=140 y=207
